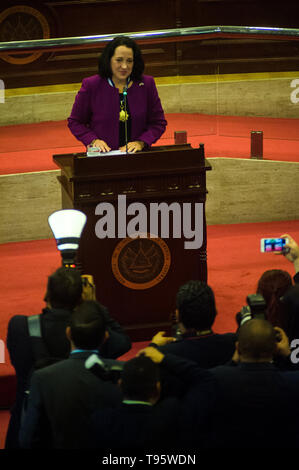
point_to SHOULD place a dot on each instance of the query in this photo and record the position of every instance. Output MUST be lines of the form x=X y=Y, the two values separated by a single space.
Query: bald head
x=256 y=341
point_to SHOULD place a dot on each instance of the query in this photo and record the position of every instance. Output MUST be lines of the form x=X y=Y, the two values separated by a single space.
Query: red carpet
x=234 y=267
x=223 y=136
x=4 y=419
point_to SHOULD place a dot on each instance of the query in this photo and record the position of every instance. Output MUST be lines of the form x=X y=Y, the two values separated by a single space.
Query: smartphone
x=272 y=245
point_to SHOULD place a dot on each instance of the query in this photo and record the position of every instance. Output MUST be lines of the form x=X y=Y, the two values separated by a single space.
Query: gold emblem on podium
x=141 y=263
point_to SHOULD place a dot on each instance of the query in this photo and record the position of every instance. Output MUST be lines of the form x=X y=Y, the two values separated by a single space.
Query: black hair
x=196 y=305
x=139 y=378
x=64 y=289
x=104 y=66
x=88 y=325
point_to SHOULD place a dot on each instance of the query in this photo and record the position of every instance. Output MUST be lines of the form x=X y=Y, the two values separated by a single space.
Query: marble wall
x=239 y=191
x=268 y=95
x=26 y=201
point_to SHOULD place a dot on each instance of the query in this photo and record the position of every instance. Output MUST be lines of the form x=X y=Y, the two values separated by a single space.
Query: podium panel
x=146 y=230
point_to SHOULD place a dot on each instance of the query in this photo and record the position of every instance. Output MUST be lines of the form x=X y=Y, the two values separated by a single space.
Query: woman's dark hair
x=105 y=58
x=272 y=285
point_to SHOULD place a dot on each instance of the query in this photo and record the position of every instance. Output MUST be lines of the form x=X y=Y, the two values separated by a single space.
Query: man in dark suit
x=145 y=418
x=63 y=396
x=65 y=290
x=148 y=417
x=196 y=312
x=255 y=405
x=139 y=421
x=249 y=403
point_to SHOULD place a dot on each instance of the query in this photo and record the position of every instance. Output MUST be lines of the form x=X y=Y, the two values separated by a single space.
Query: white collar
x=110 y=81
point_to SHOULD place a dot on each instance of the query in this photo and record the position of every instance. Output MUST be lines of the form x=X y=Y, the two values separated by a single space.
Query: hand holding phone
x=292 y=254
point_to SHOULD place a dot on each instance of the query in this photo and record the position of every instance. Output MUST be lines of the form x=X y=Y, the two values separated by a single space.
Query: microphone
x=125 y=93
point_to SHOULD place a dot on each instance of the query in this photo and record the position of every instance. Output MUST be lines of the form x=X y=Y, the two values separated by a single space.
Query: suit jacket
x=207 y=351
x=53 y=325
x=141 y=426
x=249 y=405
x=95 y=113
x=61 y=400
x=136 y=426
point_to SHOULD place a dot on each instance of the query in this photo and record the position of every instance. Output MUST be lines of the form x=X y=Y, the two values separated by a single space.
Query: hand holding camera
x=160 y=340
x=256 y=308
x=88 y=287
x=282 y=341
x=154 y=354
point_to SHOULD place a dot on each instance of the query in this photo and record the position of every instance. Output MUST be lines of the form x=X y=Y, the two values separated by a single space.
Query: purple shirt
x=95 y=113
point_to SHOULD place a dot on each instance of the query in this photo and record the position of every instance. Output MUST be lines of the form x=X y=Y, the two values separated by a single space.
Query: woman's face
x=122 y=63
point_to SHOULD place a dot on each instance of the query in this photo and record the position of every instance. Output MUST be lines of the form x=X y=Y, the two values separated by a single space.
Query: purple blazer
x=95 y=113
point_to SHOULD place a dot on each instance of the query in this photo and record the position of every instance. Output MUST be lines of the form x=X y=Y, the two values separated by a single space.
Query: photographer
x=65 y=290
x=258 y=308
x=63 y=396
x=255 y=404
x=195 y=315
x=290 y=299
x=281 y=296
x=142 y=420
x=251 y=404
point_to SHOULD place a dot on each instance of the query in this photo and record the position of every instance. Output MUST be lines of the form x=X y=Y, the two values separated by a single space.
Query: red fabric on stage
x=234 y=266
x=223 y=136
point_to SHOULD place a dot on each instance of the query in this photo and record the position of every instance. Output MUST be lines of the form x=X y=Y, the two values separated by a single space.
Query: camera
x=255 y=308
x=105 y=372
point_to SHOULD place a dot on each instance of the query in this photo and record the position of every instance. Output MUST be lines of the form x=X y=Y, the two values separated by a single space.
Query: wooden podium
x=137 y=277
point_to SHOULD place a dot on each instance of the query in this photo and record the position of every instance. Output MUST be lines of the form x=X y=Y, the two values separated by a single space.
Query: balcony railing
x=151 y=37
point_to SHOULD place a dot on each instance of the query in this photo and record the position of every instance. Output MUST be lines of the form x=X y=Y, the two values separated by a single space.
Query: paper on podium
x=95 y=152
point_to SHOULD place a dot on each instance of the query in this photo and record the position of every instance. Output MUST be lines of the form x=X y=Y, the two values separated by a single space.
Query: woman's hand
x=101 y=144
x=133 y=147
x=292 y=251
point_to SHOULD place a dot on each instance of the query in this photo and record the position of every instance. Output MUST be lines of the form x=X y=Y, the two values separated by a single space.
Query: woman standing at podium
x=120 y=107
